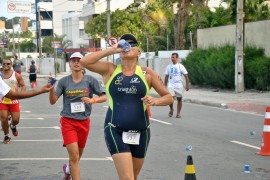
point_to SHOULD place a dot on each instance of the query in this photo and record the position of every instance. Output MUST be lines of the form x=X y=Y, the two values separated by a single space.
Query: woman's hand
x=87 y=100
x=149 y=101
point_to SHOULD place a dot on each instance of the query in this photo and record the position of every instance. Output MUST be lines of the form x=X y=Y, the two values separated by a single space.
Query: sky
x=3 y=10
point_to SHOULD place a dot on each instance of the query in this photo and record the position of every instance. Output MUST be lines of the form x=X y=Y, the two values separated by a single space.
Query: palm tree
x=46 y=44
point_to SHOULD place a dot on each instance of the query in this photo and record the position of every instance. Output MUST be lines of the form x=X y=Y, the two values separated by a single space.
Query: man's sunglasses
x=6 y=63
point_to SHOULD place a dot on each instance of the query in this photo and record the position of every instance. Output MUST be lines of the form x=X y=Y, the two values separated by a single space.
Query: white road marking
x=54 y=159
x=244 y=144
x=33 y=118
x=26 y=111
x=53 y=127
x=160 y=121
x=43 y=140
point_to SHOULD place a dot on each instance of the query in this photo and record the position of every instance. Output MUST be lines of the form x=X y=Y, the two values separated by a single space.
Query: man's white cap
x=76 y=55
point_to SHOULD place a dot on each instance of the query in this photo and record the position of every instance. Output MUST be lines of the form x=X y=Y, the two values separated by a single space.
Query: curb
x=195 y=101
x=208 y=103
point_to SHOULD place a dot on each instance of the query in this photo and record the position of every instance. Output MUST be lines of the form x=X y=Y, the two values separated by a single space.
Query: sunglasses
x=133 y=44
x=75 y=60
x=6 y=63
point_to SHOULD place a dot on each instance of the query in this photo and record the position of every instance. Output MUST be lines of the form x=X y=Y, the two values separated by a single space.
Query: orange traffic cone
x=265 y=148
x=149 y=112
x=190 y=170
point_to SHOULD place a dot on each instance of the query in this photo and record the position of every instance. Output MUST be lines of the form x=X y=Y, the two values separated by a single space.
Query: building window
x=81 y=32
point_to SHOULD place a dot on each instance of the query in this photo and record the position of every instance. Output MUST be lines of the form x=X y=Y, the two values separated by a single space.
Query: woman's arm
x=37 y=70
x=102 y=98
x=52 y=96
x=155 y=82
x=92 y=61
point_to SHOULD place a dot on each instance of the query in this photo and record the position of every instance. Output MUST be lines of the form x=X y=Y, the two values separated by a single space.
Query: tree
x=26 y=34
x=46 y=44
x=27 y=46
x=180 y=24
x=254 y=10
x=122 y=21
x=151 y=21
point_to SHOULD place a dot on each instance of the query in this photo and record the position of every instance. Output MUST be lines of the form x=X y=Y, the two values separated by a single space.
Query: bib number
x=77 y=107
x=131 y=137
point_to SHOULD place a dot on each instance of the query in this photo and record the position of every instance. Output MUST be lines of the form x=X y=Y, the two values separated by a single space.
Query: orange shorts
x=75 y=131
x=10 y=107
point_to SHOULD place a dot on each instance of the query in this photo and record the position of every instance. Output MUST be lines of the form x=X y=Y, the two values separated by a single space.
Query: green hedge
x=215 y=67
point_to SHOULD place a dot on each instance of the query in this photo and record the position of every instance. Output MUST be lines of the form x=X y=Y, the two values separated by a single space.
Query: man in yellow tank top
x=9 y=106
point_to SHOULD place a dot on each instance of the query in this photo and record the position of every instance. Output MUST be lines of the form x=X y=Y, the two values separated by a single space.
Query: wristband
x=94 y=100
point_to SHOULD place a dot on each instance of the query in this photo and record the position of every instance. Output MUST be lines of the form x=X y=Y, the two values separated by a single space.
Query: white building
x=51 y=12
x=73 y=27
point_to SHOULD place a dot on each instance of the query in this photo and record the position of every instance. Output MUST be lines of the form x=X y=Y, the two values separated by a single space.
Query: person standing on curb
x=9 y=106
x=174 y=81
x=77 y=90
x=33 y=70
x=17 y=65
x=127 y=125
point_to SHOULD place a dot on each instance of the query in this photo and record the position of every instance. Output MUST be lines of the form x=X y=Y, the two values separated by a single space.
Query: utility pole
x=108 y=13
x=13 y=36
x=167 y=42
x=39 y=40
x=239 y=47
x=147 y=49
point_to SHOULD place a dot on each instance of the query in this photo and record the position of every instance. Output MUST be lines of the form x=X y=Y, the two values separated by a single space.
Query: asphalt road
x=221 y=145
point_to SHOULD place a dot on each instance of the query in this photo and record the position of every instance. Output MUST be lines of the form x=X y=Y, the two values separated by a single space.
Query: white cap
x=76 y=55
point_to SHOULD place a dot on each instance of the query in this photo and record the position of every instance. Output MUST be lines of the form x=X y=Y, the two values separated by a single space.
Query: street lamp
x=39 y=8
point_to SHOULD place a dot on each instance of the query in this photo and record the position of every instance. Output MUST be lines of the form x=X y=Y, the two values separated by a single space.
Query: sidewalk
x=248 y=101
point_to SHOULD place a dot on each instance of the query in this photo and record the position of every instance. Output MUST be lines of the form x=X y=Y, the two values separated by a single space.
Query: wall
x=157 y=63
x=256 y=34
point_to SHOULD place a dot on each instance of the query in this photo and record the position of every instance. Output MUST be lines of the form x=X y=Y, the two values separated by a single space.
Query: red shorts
x=10 y=107
x=75 y=131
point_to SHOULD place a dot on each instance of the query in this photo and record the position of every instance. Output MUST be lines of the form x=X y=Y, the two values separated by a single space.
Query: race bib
x=77 y=107
x=131 y=137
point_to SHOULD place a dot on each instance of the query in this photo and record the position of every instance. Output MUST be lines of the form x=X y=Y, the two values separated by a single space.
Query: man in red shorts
x=9 y=106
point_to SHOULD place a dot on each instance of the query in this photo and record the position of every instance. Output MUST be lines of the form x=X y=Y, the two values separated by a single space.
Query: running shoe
x=67 y=176
x=6 y=139
x=14 y=130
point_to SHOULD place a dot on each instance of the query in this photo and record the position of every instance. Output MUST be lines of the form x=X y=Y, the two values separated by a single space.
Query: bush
x=215 y=67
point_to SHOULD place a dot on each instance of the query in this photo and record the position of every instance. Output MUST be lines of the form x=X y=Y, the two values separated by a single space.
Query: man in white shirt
x=5 y=91
x=174 y=81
